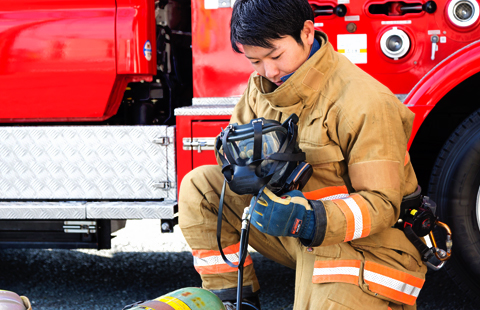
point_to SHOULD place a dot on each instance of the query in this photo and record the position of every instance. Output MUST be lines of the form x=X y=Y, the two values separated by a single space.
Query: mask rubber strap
x=226 y=149
x=257 y=140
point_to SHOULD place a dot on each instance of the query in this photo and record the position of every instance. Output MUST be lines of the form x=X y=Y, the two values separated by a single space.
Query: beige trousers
x=198 y=206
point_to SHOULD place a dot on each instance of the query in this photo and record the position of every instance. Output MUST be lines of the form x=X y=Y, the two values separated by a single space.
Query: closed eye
x=276 y=57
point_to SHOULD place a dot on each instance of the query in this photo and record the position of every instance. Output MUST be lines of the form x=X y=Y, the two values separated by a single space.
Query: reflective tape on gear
x=211 y=261
x=346 y=271
x=327 y=193
x=357 y=216
x=394 y=284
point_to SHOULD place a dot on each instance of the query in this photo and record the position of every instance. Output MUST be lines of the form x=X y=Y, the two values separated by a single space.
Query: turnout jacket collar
x=305 y=85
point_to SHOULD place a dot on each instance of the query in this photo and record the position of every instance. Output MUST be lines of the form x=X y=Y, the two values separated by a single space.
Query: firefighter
x=354 y=132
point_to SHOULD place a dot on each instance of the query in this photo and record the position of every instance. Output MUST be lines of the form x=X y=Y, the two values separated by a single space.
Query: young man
x=354 y=132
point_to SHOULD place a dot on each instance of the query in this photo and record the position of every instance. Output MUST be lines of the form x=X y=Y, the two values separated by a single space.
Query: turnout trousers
x=198 y=206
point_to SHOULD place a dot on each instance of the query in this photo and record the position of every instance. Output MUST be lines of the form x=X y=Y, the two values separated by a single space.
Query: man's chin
x=278 y=83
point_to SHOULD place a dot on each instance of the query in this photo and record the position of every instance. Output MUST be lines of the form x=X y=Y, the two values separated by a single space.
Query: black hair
x=257 y=22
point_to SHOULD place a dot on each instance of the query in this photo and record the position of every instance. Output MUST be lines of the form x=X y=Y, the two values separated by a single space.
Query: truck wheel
x=455 y=186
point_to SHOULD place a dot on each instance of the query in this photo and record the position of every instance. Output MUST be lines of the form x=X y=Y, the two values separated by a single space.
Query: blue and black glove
x=290 y=215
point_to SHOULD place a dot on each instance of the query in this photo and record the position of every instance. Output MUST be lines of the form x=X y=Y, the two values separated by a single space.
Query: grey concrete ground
x=144 y=264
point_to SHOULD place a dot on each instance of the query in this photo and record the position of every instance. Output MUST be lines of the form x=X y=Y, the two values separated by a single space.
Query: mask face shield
x=243 y=150
x=253 y=154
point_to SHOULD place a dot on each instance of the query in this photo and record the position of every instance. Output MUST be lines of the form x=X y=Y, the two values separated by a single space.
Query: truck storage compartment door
x=197 y=127
x=87 y=163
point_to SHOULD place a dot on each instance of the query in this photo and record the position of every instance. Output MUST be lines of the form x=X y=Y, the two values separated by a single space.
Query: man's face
x=285 y=57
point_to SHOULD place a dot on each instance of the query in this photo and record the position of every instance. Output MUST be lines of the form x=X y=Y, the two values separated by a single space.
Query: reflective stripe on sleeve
x=347 y=271
x=392 y=283
x=407 y=158
x=357 y=216
x=211 y=262
x=327 y=193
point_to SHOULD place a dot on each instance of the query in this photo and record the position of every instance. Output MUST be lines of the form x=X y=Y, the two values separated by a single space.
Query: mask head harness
x=261 y=153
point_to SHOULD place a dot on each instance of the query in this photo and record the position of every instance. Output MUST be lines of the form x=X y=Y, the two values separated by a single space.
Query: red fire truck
x=107 y=104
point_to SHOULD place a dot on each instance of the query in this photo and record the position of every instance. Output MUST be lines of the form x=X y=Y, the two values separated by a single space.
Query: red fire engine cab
x=106 y=105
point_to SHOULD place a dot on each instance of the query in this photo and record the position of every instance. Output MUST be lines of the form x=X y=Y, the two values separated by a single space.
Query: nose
x=271 y=71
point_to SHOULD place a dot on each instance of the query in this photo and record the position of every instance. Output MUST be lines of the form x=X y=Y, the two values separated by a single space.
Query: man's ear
x=308 y=32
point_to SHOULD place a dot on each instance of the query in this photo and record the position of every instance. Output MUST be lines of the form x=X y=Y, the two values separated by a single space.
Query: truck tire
x=454 y=185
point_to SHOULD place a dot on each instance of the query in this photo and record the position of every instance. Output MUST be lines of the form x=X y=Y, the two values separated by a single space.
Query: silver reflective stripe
x=339 y=196
x=352 y=271
x=214 y=260
x=357 y=215
x=391 y=283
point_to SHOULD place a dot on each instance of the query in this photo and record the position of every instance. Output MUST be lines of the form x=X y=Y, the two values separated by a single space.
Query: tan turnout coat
x=354 y=132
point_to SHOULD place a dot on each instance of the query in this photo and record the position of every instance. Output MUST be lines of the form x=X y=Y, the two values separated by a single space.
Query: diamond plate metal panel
x=215 y=101
x=131 y=210
x=172 y=165
x=30 y=210
x=221 y=109
x=82 y=162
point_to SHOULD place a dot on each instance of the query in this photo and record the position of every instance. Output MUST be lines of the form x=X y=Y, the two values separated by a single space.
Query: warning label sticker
x=353 y=46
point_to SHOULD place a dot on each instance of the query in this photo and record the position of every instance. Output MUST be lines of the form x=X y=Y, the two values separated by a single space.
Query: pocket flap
x=391 y=238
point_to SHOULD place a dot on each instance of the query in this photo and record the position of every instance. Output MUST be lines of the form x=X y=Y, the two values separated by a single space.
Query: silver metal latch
x=162 y=140
x=163 y=185
x=80 y=227
x=199 y=144
x=224 y=3
x=434 y=40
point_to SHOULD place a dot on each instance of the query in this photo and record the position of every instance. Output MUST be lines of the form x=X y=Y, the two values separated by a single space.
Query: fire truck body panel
x=438 y=82
x=74 y=58
x=358 y=35
x=217 y=70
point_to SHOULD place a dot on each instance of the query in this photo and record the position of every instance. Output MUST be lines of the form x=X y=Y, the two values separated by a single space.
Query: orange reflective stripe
x=221 y=268
x=357 y=216
x=407 y=158
x=350 y=219
x=346 y=271
x=232 y=249
x=392 y=283
x=367 y=222
x=327 y=193
x=211 y=262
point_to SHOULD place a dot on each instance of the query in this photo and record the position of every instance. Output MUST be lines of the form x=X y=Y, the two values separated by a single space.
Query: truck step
x=30 y=210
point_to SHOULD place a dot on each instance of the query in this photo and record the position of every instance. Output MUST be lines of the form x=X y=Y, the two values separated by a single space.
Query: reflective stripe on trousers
x=211 y=262
x=383 y=280
x=392 y=283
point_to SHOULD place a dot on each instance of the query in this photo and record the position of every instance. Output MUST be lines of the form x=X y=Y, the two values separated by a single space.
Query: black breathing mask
x=263 y=153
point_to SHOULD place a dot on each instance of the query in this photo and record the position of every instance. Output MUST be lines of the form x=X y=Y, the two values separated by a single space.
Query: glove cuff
x=320 y=224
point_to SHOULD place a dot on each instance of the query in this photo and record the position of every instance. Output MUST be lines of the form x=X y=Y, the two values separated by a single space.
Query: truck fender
x=445 y=76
